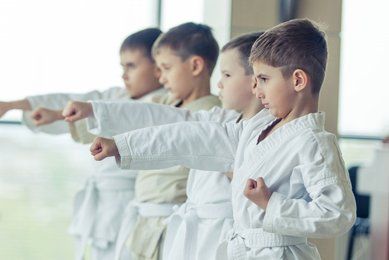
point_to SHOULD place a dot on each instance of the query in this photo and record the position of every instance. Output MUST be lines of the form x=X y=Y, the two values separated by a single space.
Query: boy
x=186 y=56
x=99 y=206
x=289 y=180
x=197 y=227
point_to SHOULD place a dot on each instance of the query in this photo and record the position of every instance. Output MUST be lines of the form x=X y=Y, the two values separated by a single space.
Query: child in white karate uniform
x=99 y=207
x=197 y=227
x=186 y=55
x=289 y=182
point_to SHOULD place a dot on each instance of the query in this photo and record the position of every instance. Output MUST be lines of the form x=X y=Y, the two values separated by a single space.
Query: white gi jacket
x=300 y=163
x=99 y=207
x=199 y=225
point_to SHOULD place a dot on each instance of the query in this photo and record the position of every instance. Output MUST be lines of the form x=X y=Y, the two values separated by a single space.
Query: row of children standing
x=254 y=183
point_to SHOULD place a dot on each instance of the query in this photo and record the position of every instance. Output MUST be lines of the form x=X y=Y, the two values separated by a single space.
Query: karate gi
x=157 y=192
x=99 y=206
x=198 y=226
x=300 y=163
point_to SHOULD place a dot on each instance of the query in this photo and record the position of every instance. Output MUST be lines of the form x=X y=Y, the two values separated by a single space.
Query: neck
x=201 y=89
x=155 y=87
x=252 y=109
x=306 y=106
x=303 y=106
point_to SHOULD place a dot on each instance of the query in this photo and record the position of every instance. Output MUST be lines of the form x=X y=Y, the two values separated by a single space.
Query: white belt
x=190 y=215
x=132 y=211
x=240 y=239
x=84 y=219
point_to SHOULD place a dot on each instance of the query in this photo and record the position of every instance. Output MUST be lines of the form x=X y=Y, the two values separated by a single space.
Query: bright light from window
x=175 y=12
x=66 y=46
x=364 y=95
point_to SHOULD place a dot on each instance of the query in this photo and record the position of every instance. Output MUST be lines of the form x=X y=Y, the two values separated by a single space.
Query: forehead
x=231 y=58
x=134 y=54
x=166 y=55
x=231 y=55
x=260 y=67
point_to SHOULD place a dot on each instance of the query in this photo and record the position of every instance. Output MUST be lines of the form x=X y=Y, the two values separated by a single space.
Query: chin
x=226 y=105
x=176 y=95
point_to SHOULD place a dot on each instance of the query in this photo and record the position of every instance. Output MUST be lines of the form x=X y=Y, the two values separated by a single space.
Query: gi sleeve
x=58 y=101
x=197 y=145
x=134 y=115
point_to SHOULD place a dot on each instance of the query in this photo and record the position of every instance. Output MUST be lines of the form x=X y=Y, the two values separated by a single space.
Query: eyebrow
x=128 y=64
x=163 y=64
x=261 y=75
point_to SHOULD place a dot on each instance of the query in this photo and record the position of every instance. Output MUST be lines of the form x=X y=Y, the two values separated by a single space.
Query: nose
x=162 y=79
x=124 y=76
x=259 y=92
x=219 y=84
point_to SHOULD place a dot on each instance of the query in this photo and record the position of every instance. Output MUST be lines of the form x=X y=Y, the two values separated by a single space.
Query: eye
x=262 y=80
x=129 y=67
x=226 y=75
x=165 y=67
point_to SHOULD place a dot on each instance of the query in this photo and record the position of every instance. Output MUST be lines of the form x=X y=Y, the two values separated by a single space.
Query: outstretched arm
x=56 y=102
x=198 y=145
x=22 y=104
x=134 y=115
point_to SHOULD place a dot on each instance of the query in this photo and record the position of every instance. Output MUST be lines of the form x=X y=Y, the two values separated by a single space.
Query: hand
x=77 y=110
x=44 y=116
x=102 y=148
x=257 y=192
x=4 y=108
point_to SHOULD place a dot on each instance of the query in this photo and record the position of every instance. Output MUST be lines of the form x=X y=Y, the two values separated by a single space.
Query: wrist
x=23 y=104
x=90 y=110
x=58 y=115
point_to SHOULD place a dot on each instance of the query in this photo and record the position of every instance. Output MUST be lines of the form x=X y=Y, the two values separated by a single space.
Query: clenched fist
x=44 y=116
x=77 y=110
x=257 y=192
x=102 y=148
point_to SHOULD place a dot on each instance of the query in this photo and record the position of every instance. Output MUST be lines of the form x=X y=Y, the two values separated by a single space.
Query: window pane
x=53 y=46
x=175 y=12
x=364 y=94
x=67 y=46
x=39 y=176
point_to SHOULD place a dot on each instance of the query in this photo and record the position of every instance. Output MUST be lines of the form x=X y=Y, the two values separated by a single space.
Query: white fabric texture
x=99 y=208
x=300 y=163
x=196 y=229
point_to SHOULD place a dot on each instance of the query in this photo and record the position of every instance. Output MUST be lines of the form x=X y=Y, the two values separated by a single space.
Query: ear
x=300 y=80
x=197 y=65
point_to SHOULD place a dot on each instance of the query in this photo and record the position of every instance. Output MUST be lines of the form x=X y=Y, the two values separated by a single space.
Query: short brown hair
x=296 y=44
x=243 y=44
x=190 y=39
x=142 y=40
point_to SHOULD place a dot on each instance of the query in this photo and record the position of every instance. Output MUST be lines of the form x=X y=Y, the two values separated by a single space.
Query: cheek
x=136 y=78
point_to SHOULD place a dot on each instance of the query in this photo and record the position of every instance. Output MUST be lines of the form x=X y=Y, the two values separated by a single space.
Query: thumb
x=37 y=117
x=96 y=146
x=73 y=115
x=100 y=156
x=69 y=109
x=251 y=184
x=36 y=114
x=261 y=182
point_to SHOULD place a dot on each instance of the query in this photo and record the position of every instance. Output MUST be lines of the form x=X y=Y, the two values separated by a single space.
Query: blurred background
x=73 y=46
